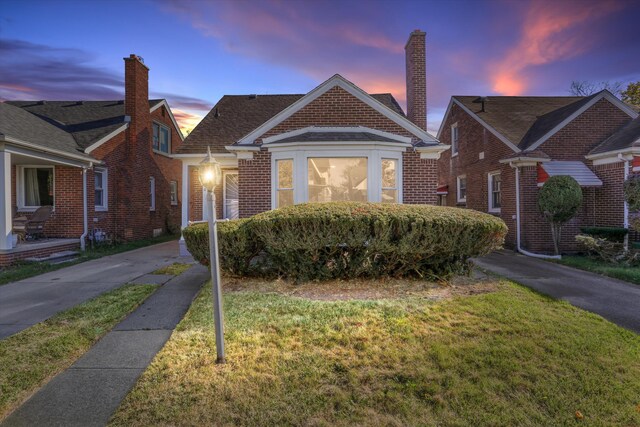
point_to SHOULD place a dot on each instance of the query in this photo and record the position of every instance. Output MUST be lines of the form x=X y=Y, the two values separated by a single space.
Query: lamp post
x=210 y=177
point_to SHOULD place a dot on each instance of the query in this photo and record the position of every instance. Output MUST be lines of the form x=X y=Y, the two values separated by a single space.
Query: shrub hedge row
x=614 y=234
x=318 y=241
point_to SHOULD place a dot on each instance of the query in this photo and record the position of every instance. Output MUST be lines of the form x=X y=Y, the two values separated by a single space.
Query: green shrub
x=318 y=241
x=613 y=234
x=237 y=247
x=559 y=200
x=632 y=192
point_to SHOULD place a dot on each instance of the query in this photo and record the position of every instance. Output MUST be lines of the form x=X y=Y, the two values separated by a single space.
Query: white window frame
x=152 y=193
x=173 y=185
x=397 y=179
x=300 y=157
x=458 y=198
x=225 y=174
x=20 y=201
x=490 y=206
x=105 y=189
x=276 y=181
x=160 y=126
x=455 y=139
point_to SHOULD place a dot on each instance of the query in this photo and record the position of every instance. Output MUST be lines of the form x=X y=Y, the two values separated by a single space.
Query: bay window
x=337 y=179
x=284 y=186
x=389 y=176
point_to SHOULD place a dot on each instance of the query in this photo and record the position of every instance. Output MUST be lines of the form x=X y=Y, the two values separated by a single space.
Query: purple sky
x=200 y=50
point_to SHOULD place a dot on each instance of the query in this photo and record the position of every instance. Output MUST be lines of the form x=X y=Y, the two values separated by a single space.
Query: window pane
x=164 y=140
x=285 y=198
x=337 y=179
x=98 y=199
x=285 y=173
x=389 y=196
x=389 y=173
x=98 y=178
x=38 y=186
x=156 y=136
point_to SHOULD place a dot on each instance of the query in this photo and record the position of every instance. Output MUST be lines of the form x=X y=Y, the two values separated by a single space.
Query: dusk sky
x=200 y=50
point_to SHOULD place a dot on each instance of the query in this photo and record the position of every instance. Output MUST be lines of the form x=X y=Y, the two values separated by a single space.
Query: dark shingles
x=625 y=137
x=320 y=136
x=235 y=116
x=24 y=126
x=523 y=119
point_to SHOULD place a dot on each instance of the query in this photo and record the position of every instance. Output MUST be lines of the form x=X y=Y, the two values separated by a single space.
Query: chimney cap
x=134 y=57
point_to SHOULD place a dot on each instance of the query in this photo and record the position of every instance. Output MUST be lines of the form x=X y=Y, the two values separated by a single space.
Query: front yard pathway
x=30 y=301
x=90 y=391
x=612 y=299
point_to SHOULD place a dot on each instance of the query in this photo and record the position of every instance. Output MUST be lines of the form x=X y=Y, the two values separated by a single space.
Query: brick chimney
x=136 y=94
x=415 y=51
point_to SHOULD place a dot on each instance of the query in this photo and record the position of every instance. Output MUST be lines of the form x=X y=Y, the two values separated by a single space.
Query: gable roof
x=235 y=116
x=626 y=137
x=525 y=122
x=86 y=121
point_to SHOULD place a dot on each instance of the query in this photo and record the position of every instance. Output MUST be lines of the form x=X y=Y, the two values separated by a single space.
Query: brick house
x=336 y=142
x=504 y=148
x=105 y=167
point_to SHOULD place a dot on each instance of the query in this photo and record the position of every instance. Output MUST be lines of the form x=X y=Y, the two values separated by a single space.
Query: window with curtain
x=100 y=177
x=389 y=181
x=173 y=187
x=337 y=179
x=38 y=186
x=284 y=187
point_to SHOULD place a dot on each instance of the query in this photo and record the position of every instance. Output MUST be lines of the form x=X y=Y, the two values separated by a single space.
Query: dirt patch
x=340 y=290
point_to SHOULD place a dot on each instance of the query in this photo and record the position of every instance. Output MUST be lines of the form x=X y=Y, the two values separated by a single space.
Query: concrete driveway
x=30 y=301
x=612 y=299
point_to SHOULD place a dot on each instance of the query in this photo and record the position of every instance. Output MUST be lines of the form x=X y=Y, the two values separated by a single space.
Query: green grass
x=510 y=357
x=175 y=269
x=23 y=270
x=33 y=356
x=629 y=274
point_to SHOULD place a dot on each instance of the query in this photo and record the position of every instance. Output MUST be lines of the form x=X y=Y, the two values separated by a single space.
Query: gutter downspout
x=626 y=205
x=522 y=251
x=85 y=222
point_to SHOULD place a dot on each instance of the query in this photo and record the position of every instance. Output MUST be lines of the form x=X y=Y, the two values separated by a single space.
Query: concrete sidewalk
x=30 y=301
x=90 y=391
x=612 y=299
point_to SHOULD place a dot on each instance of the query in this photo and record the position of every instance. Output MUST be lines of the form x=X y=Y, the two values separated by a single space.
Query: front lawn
x=24 y=269
x=33 y=356
x=629 y=274
x=504 y=357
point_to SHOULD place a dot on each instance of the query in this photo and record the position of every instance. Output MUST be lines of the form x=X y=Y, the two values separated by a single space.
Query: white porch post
x=5 y=202
x=185 y=206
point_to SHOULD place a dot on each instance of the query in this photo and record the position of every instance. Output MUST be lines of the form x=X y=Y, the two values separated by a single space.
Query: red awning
x=443 y=189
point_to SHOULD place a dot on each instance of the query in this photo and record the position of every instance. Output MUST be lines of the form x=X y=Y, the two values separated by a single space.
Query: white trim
x=200 y=156
x=339 y=81
x=333 y=129
x=152 y=193
x=86 y=160
x=333 y=145
x=458 y=198
x=490 y=176
x=106 y=138
x=171 y=202
x=604 y=94
x=524 y=161
x=612 y=156
x=105 y=189
x=274 y=178
x=396 y=188
x=455 y=143
x=432 y=152
x=497 y=134
x=173 y=119
x=6 y=236
x=226 y=173
x=20 y=201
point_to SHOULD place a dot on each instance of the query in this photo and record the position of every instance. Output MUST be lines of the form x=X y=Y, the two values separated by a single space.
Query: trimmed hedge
x=614 y=234
x=319 y=241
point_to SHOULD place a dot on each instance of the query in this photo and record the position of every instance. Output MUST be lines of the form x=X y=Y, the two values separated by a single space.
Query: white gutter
x=522 y=251
x=85 y=209
x=626 y=205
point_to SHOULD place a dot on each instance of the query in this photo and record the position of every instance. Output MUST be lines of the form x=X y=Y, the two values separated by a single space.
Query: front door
x=230 y=195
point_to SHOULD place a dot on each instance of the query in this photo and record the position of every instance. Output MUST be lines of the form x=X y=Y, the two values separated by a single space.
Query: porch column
x=185 y=206
x=5 y=201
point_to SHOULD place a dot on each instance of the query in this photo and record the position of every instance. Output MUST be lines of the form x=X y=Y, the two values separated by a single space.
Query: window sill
x=30 y=209
x=162 y=153
x=174 y=204
x=101 y=209
x=495 y=211
x=455 y=154
x=461 y=203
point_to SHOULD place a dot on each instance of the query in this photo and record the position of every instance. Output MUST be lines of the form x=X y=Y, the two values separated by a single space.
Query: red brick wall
x=9 y=258
x=255 y=184
x=419 y=179
x=416 y=79
x=195 y=197
x=609 y=199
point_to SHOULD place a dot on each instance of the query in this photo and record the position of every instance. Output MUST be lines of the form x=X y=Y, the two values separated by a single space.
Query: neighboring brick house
x=337 y=142
x=121 y=148
x=503 y=148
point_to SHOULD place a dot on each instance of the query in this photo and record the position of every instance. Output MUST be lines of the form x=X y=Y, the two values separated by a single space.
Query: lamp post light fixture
x=210 y=177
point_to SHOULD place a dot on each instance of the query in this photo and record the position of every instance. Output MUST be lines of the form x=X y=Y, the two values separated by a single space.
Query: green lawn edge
x=32 y=357
x=627 y=274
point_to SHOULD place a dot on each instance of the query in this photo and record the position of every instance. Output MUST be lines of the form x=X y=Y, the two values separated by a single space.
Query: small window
x=101 y=196
x=389 y=181
x=462 y=189
x=37 y=187
x=284 y=186
x=161 y=138
x=495 y=196
x=454 y=139
x=442 y=200
x=173 y=186
x=152 y=192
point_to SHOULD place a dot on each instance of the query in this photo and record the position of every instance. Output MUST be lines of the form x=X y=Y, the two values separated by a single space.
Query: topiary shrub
x=559 y=200
x=319 y=241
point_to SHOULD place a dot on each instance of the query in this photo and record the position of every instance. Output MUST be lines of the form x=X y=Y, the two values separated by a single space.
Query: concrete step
x=56 y=258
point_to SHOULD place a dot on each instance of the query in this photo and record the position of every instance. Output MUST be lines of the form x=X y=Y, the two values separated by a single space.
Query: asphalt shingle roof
x=85 y=121
x=524 y=119
x=234 y=116
x=626 y=137
x=320 y=136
